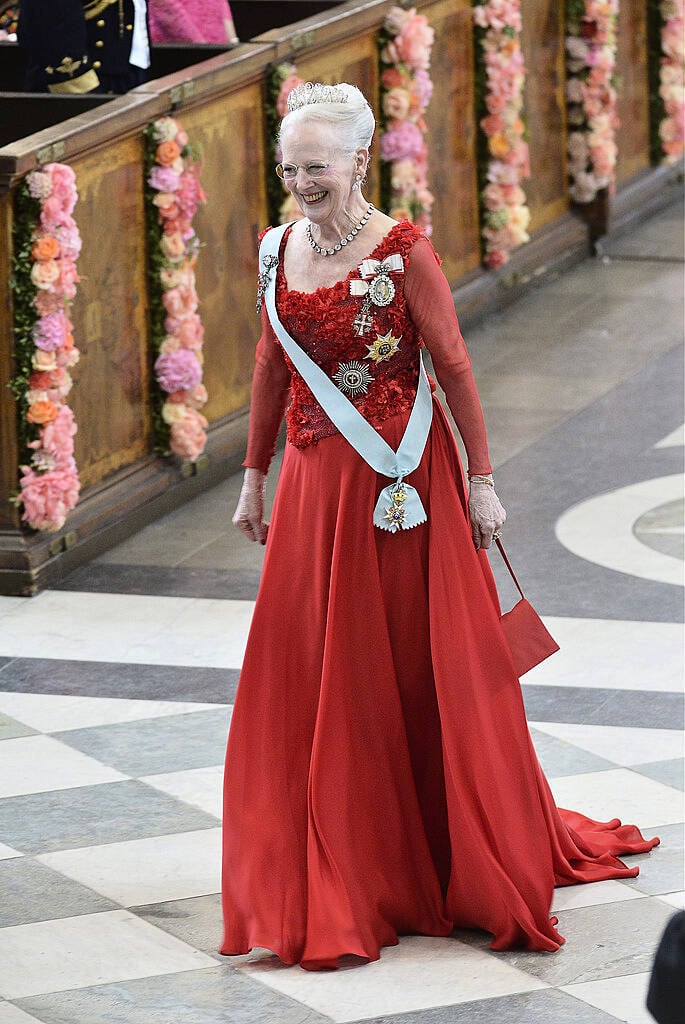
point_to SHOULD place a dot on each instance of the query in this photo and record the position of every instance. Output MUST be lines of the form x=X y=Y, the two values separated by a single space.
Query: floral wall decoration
x=282 y=206
x=47 y=244
x=591 y=96
x=503 y=159
x=666 y=29
x=173 y=193
x=405 y=43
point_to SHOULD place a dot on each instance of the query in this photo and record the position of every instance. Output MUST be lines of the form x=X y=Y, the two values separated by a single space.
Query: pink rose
x=396 y=103
x=197 y=397
x=287 y=85
x=48 y=497
x=173 y=247
x=46 y=302
x=58 y=437
x=63 y=185
x=402 y=141
x=45 y=274
x=187 y=436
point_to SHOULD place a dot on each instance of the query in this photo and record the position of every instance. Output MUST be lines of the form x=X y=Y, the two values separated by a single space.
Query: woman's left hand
x=485 y=511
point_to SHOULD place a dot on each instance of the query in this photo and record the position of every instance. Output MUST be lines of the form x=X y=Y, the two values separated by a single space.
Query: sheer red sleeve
x=432 y=309
x=270 y=387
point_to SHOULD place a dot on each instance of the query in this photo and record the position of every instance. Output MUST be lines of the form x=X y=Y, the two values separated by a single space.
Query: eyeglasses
x=313 y=170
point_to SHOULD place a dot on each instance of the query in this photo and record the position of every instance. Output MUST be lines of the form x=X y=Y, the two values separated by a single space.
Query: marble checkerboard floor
x=116 y=693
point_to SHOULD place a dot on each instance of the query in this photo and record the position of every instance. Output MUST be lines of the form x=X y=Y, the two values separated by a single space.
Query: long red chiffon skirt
x=380 y=777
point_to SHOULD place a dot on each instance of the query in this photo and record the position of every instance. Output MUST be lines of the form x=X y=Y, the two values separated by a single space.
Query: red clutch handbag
x=530 y=642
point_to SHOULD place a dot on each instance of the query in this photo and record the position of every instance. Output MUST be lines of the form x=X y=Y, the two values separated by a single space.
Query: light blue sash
x=399 y=506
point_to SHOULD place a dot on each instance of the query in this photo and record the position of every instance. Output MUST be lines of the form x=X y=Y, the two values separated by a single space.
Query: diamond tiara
x=314 y=92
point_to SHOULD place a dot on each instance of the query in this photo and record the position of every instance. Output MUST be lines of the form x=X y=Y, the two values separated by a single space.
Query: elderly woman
x=380 y=777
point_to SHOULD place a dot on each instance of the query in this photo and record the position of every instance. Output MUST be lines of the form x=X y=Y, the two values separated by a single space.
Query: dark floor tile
x=197 y=921
x=607 y=445
x=607 y=941
x=218 y=995
x=546 y=1006
x=671 y=773
x=587 y=706
x=109 y=679
x=152 y=745
x=33 y=892
x=663 y=869
x=93 y=815
x=559 y=758
x=10 y=729
x=163 y=581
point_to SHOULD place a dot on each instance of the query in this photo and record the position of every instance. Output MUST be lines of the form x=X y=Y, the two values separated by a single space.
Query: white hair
x=342 y=106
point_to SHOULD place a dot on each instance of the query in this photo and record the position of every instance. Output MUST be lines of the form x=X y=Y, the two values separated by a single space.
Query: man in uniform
x=81 y=46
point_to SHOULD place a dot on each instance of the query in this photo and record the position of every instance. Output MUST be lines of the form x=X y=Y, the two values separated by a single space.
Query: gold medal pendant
x=384 y=347
x=394 y=513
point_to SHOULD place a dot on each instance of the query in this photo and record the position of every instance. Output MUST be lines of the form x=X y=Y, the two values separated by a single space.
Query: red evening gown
x=380 y=777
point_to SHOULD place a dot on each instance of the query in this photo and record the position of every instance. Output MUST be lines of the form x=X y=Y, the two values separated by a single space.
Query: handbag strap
x=503 y=553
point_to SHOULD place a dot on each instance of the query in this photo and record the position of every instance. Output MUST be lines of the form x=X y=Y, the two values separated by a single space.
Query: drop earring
x=355 y=187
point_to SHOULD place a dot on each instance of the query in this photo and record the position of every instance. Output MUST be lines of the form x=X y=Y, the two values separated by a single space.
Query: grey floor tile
x=197 y=921
x=174 y=743
x=33 y=892
x=152 y=547
x=164 y=580
x=671 y=773
x=663 y=869
x=543 y=1007
x=218 y=995
x=10 y=729
x=559 y=758
x=632 y=708
x=108 y=679
x=608 y=941
x=92 y=815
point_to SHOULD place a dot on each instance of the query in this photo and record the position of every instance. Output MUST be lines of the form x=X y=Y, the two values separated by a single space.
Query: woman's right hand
x=249 y=514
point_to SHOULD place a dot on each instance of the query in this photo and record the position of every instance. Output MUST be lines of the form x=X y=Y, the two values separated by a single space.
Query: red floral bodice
x=322 y=323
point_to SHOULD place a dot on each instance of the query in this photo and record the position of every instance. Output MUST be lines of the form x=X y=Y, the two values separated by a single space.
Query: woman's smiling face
x=325 y=173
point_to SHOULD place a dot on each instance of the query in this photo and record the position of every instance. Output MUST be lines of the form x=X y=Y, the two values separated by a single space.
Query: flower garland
x=404 y=44
x=47 y=245
x=174 y=194
x=591 y=96
x=671 y=128
x=282 y=206
x=503 y=152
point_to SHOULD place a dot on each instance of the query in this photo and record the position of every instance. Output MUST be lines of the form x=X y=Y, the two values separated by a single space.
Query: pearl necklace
x=343 y=241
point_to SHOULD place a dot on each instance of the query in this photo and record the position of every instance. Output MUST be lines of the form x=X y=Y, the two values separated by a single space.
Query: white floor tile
x=418 y=974
x=600 y=530
x=201 y=787
x=54 y=712
x=39 y=764
x=676 y=439
x=620 y=793
x=142 y=871
x=94 y=949
x=13 y=1015
x=624 y=997
x=131 y=629
x=571 y=897
x=613 y=654
x=674 y=899
x=620 y=745
x=6 y=852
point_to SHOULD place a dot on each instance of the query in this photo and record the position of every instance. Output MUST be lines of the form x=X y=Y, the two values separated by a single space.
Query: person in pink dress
x=191 y=21
x=380 y=776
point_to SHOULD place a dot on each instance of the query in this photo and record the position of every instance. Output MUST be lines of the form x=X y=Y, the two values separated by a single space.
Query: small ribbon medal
x=399 y=507
x=376 y=286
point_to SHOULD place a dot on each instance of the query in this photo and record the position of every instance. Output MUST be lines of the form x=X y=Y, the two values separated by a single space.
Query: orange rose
x=498 y=145
x=42 y=412
x=45 y=248
x=167 y=152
